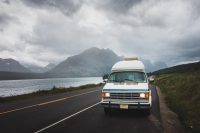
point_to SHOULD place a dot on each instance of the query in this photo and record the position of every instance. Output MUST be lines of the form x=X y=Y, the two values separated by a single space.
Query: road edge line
x=68 y=117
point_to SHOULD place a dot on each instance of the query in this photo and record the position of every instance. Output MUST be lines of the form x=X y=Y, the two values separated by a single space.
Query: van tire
x=107 y=111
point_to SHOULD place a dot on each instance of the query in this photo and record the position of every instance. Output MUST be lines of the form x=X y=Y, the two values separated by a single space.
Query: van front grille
x=124 y=96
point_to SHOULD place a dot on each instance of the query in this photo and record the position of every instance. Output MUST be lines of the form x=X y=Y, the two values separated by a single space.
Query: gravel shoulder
x=169 y=119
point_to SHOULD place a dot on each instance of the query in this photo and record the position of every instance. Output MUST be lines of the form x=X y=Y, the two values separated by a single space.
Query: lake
x=18 y=87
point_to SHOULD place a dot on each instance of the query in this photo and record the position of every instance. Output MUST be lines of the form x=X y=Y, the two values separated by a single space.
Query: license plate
x=123 y=106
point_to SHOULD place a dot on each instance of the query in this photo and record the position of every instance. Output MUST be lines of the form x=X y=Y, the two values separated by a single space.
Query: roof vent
x=130 y=58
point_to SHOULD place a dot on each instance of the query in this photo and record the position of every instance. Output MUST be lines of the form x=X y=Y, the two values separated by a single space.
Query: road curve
x=75 y=112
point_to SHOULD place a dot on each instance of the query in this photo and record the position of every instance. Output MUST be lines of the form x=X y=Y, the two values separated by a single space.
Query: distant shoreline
x=24 y=76
x=54 y=90
x=49 y=78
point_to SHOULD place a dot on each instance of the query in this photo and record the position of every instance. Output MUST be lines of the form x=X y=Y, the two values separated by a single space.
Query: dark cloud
x=5 y=19
x=136 y=13
x=189 y=46
x=195 y=7
x=195 y=54
x=117 y=6
x=62 y=38
x=6 y=1
x=68 y=7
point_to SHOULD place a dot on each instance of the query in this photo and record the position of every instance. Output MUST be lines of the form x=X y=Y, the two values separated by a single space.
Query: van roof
x=131 y=65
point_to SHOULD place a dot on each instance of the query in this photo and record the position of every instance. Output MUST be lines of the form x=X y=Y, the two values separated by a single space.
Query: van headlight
x=144 y=95
x=105 y=94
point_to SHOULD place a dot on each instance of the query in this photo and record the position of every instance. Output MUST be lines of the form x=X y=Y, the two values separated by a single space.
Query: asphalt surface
x=75 y=112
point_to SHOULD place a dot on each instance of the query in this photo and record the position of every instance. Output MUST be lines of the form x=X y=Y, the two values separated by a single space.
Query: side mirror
x=105 y=77
x=151 y=79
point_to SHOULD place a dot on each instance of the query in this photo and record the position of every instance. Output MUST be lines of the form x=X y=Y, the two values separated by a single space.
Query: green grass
x=182 y=94
x=52 y=91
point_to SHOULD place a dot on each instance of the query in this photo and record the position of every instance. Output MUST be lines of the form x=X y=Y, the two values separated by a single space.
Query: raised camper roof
x=129 y=64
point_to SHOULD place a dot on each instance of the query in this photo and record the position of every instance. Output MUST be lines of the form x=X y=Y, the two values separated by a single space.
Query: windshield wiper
x=127 y=80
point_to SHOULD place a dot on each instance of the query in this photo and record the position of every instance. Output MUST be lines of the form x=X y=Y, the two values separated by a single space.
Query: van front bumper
x=131 y=105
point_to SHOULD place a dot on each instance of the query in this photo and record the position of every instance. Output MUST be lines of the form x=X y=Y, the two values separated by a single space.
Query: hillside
x=11 y=65
x=91 y=62
x=180 y=68
x=181 y=86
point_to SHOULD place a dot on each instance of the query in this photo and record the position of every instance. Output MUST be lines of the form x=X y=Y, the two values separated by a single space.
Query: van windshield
x=139 y=77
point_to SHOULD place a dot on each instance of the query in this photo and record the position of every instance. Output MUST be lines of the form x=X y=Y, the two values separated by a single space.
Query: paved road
x=75 y=112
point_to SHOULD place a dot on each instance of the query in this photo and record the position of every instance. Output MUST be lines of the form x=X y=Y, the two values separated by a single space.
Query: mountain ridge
x=91 y=62
x=11 y=65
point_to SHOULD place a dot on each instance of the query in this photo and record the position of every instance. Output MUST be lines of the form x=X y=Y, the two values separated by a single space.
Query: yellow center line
x=45 y=103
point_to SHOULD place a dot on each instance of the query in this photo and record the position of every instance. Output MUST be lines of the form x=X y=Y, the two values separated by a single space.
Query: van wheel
x=107 y=111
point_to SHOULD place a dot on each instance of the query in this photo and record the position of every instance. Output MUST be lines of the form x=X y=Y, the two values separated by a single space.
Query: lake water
x=17 y=87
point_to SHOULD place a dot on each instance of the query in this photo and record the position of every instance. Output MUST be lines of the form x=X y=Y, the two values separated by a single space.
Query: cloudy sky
x=47 y=31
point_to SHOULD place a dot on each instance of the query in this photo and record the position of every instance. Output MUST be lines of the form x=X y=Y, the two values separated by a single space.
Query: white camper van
x=127 y=87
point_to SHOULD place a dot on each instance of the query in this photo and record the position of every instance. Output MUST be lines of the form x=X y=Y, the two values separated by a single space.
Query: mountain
x=38 y=69
x=49 y=67
x=34 y=68
x=91 y=62
x=11 y=65
x=191 y=67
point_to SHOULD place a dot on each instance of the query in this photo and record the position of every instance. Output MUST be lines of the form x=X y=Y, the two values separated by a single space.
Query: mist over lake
x=18 y=87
